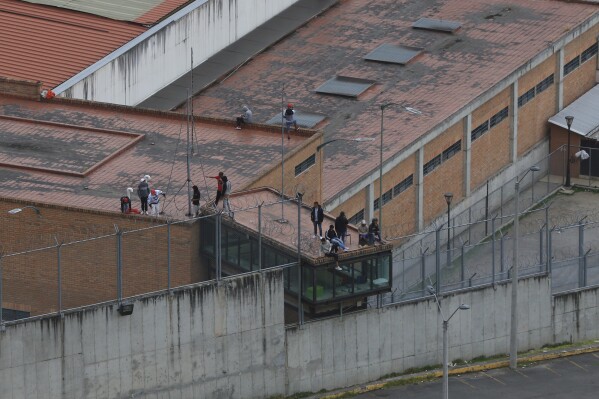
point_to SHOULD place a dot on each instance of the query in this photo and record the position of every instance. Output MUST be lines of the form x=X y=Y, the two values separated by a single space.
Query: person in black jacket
x=317 y=217
x=341 y=223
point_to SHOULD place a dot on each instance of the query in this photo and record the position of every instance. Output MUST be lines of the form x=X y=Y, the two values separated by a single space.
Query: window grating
x=452 y=150
x=376 y=204
x=393 y=54
x=479 y=131
x=572 y=65
x=403 y=185
x=436 y=25
x=431 y=165
x=12 y=314
x=311 y=160
x=544 y=84
x=498 y=117
x=345 y=86
x=588 y=53
x=357 y=218
x=526 y=97
x=388 y=196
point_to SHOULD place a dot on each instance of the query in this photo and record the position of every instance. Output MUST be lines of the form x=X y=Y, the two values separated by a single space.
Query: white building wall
x=130 y=75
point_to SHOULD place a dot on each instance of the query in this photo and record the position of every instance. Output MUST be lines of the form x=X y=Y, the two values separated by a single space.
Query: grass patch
x=480 y=359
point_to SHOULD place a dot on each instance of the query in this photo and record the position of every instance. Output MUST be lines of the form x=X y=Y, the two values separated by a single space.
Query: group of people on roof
x=288 y=118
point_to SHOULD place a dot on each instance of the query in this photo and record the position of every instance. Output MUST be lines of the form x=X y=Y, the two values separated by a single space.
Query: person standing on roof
x=219 y=187
x=195 y=200
x=317 y=217
x=289 y=116
x=245 y=117
x=143 y=191
x=341 y=223
x=154 y=201
x=226 y=194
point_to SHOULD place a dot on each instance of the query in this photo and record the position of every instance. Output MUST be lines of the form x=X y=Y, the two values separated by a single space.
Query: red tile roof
x=50 y=45
x=453 y=70
x=72 y=152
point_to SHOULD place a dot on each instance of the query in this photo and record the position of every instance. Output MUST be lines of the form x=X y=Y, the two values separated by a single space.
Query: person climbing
x=245 y=117
x=328 y=250
x=289 y=116
x=219 y=187
x=143 y=192
x=195 y=200
x=154 y=201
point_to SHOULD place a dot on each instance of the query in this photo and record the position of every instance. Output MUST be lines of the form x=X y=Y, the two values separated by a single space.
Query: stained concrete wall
x=228 y=340
x=362 y=347
x=210 y=341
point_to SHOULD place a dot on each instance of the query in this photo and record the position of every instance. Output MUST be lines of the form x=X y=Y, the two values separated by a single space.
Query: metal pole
x=548 y=234
x=282 y=156
x=580 y=255
x=300 y=307
x=568 y=160
x=584 y=274
x=469 y=224
x=381 y=174
x=58 y=253
x=514 y=305
x=187 y=155
x=541 y=244
x=501 y=253
x=1 y=318
x=462 y=267
x=532 y=187
x=448 y=229
x=493 y=249
x=218 y=247
x=487 y=211
x=260 y=236
x=438 y=259
x=168 y=255
x=119 y=266
x=445 y=360
x=423 y=272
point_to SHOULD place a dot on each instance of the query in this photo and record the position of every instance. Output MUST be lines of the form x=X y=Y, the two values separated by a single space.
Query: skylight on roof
x=345 y=86
x=393 y=54
x=436 y=25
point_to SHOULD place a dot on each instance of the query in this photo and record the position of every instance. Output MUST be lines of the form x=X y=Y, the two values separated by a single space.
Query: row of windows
x=536 y=90
x=395 y=191
x=444 y=156
x=311 y=160
x=488 y=124
x=580 y=59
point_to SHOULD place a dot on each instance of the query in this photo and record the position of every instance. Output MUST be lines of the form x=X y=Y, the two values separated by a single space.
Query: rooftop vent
x=393 y=54
x=345 y=86
x=436 y=25
x=304 y=119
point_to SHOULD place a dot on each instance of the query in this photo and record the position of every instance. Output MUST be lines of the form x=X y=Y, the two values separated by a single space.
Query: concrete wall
x=228 y=340
x=131 y=76
x=209 y=341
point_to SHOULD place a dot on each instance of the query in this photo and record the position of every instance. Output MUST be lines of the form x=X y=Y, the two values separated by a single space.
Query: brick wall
x=89 y=268
x=559 y=137
x=20 y=88
x=583 y=78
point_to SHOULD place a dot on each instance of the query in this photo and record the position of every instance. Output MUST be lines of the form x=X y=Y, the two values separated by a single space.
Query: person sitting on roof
x=245 y=117
x=363 y=234
x=328 y=249
x=332 y=237
x=374 y=234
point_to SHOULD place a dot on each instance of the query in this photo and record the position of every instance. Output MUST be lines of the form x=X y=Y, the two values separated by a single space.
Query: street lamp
x=282 y=219
x=446 y=340
x=569 y=120
x=448 y=198
x=383 y=107
x=17 y=210
x=514 y=307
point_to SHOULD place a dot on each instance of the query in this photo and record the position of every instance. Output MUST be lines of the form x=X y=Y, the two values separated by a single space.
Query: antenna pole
x=189 y=133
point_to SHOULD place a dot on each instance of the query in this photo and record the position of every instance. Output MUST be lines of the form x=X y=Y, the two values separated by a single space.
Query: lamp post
x=18 y=210
x=446 y=340
x=282 y=219
x=383 y=107
x=514 y=307
x=569 y=120
x=448 y=198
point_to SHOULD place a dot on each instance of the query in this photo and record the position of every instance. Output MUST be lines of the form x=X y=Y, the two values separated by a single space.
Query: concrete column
x=514 y=122
x=369 y=205
x=420 y=189
x=559 y=74
x=467 y=153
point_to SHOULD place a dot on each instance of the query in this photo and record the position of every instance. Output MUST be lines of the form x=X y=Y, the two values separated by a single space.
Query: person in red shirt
x=219 y=189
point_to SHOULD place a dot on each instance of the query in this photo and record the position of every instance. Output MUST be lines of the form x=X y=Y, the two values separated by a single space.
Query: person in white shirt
x=246 y=117
x=327 y=249
x=154 y=201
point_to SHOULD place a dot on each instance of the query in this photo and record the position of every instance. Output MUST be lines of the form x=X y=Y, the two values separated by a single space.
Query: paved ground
x=564 y=378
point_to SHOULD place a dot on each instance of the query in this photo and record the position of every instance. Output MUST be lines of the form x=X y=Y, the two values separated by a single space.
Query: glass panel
x=245 y=253
x=362 y=278
x=268 y=257
x=380 y=276
x=255 y=263
x=231 y=250
x=324 y=284
x=292 y=278
x=207 y=237
x=344 y=281
x=308 y=283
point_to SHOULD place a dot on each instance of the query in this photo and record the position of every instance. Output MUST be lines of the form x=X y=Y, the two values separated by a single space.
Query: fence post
x=584 y=272
x=218 y=247
x=462 y=266
x=501 y=202
x=58 y=255
x=260 y=236
x=300 y=308
x=548 y=234
x=438 y=259
x=1 y=317
x=541 y=244
x=549 y=249
x=168 y=255
x=423 y=272
x=581 y=254
x=532 y=187
x=502 y=253
x=119 y=265
x=493 y=249
x=469 y=224
x=487 y=211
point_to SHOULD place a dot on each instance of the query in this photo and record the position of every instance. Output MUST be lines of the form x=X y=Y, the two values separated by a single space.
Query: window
x=376 y=203
x=479 y=131
x=305 y=164
x=403 y=185
x=498 y=117
x=544 y=84
x=11 y=314
x=588 y=53
x=387 y=196
x=357 y=218
x=526 y=97
x=452 y=150
x=431 y=165
x=572 y=65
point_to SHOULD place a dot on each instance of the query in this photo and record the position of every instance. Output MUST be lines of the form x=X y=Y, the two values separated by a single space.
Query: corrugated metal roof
x=141 y=11
x=585 y=111
x=50 y=45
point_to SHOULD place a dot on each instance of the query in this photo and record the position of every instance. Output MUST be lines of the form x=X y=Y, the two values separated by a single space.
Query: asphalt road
x=565 y=378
